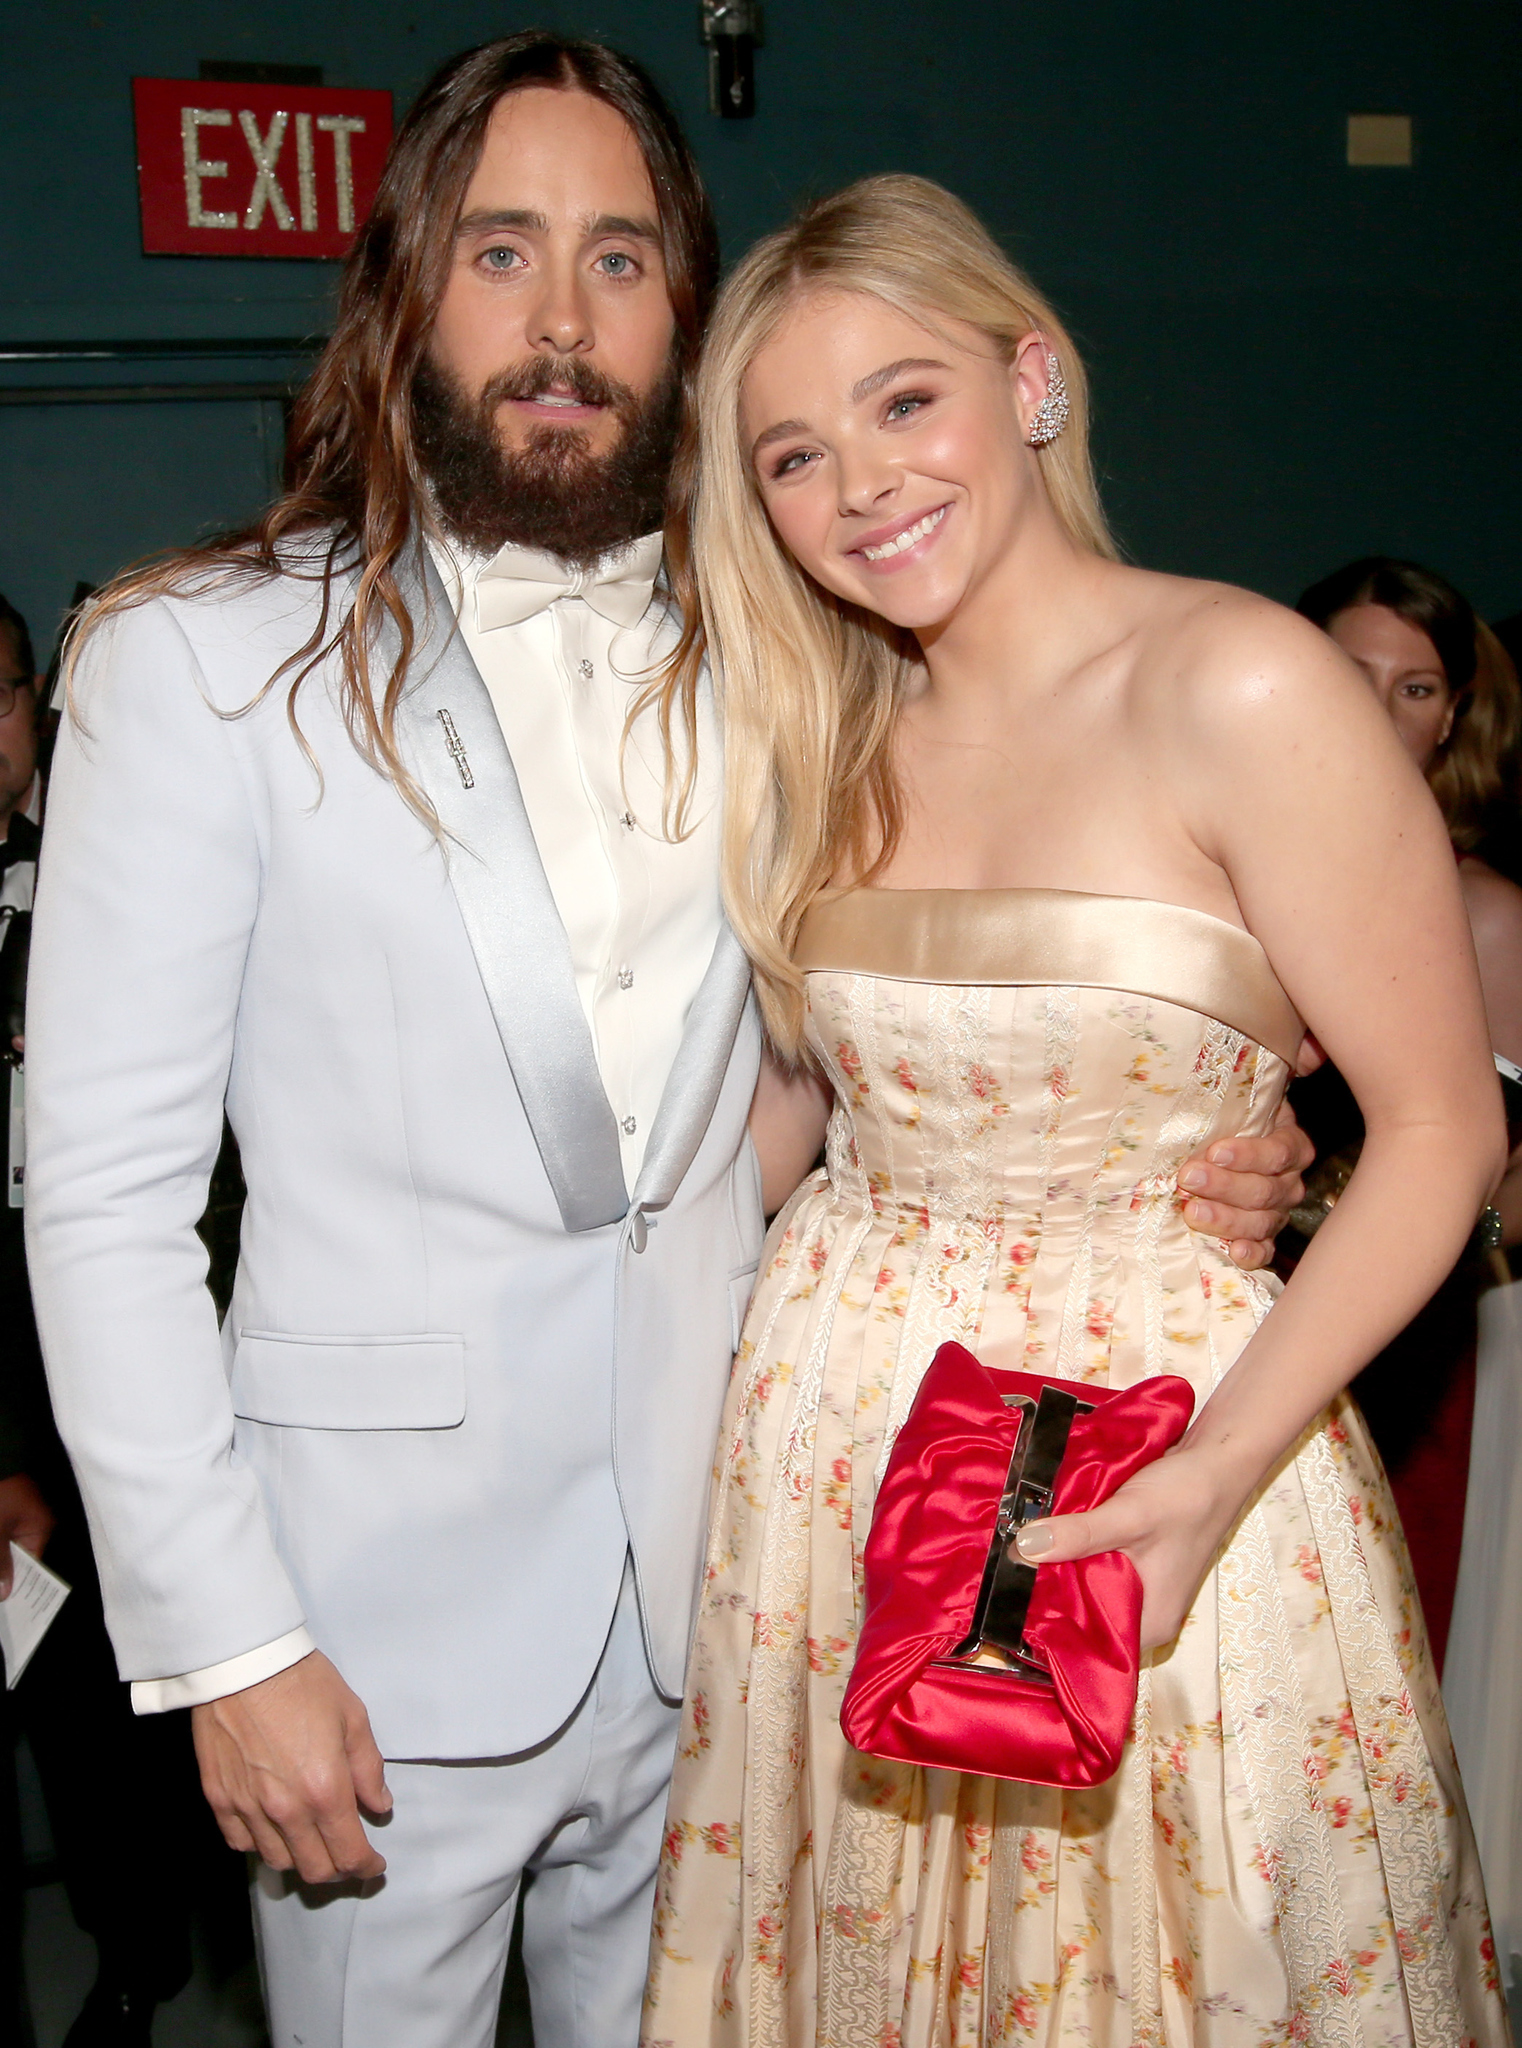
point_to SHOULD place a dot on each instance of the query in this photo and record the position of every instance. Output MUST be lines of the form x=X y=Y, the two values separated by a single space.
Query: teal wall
x=1294 y=361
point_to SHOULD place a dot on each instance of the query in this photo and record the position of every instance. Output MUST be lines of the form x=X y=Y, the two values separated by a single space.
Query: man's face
x=557 y=286
x=18 y=724
x=547 y=409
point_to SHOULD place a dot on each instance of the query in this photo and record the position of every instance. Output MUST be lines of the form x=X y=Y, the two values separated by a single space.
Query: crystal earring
x=1051 y=415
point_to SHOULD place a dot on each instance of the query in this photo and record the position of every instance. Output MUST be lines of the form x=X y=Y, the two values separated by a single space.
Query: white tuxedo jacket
x=463 y=1371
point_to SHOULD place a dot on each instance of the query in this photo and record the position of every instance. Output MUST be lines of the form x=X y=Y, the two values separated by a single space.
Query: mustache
x=570 y=373
x=550 y=493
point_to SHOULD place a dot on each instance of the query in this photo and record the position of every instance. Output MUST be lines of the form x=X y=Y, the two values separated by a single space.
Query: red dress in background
x=1418 y=1400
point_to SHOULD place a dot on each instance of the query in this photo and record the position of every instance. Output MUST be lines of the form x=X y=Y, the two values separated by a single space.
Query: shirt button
x=585 y=670
x=630 y=1126
x=626 y=977
x=627 y=821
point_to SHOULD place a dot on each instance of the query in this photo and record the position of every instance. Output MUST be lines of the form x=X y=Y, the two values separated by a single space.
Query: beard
x=552 y=492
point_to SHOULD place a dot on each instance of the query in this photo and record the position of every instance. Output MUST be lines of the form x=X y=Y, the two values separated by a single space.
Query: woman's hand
x=1170 y=1519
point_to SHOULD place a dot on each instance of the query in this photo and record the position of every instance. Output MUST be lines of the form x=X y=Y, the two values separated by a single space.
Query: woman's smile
x=891 y=547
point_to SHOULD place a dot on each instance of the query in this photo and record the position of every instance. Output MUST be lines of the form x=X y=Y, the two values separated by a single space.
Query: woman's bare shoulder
x=1218 y=653
x=1222 y=628
x=1494 y=903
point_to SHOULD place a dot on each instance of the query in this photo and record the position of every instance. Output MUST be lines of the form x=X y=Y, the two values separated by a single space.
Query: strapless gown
x=1284 y=1854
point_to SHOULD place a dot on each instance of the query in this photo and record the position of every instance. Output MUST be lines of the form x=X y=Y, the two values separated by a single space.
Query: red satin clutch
x=970 y=1659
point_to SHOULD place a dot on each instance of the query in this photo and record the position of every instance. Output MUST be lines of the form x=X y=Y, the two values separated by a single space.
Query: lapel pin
x=456 y=747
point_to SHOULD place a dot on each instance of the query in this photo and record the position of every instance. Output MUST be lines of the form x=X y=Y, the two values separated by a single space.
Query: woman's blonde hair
x=808 y=686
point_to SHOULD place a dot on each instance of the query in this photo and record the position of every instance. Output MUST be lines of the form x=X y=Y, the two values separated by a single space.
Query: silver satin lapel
x=697 y=1073
x=457 y=752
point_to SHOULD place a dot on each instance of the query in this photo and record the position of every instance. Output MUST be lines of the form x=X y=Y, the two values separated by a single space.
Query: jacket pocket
x=349 y=1382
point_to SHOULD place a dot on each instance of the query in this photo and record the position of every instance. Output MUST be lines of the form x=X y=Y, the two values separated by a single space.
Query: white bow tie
x=517 y=582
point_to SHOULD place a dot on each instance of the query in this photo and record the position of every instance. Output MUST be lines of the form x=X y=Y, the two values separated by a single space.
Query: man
x=70 y=1702
x=485 y=1042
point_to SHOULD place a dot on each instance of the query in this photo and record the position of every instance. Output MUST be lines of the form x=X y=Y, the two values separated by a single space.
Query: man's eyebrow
x=638 y=227
x=780 y=432
x=889 y=371
x=486 y=218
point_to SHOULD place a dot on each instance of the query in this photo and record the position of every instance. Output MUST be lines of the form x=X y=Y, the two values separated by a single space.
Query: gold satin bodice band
x=1009 y=938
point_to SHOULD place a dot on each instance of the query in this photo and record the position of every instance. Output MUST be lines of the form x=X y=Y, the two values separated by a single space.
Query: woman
x=1451 y=691
x=1445 y=1400
x=1453 y=697
x=981 y=851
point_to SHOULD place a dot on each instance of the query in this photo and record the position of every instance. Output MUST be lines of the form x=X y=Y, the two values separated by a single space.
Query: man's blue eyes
x=617 y=263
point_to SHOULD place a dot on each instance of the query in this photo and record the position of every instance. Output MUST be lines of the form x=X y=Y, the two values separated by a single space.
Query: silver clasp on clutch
x=996 y=1641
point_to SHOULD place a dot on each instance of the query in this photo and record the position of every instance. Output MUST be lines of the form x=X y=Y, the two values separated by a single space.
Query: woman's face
x=1402 y=668
x=891 y=460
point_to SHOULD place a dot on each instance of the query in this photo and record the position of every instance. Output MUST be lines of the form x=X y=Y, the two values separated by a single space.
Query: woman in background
x=1444 y=1401
x=1451 y=690
x=1019 y=839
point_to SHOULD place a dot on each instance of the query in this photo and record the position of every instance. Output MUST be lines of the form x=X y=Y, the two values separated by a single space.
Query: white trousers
x=416 y=1959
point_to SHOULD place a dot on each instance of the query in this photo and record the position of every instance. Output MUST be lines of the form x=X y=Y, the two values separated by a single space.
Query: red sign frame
x=256 y=170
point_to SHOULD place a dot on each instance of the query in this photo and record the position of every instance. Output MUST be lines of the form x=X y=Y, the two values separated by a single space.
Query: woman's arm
x=787 y=1118
x=1291 y=778
x=1495 y=918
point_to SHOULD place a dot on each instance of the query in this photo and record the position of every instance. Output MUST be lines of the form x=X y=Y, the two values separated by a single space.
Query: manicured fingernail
x=1201 y=1213
x=1034 y=1541
x=1223 y=1155
x=1192 y=1177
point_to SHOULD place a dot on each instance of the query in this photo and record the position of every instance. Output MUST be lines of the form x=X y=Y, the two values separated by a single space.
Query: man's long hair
x=356 y=483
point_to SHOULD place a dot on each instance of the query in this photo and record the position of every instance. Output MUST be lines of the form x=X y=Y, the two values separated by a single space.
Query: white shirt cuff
x=196 y=1688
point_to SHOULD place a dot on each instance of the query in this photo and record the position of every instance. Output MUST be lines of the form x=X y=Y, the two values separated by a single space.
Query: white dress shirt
x=642 y=911
x=562 y=655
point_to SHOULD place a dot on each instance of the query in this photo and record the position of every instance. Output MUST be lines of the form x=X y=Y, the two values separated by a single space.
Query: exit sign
x=255 y=170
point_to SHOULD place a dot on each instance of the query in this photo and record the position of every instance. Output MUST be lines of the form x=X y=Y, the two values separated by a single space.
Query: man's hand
x=25 y=1518
x=287 y=1766
x=1241 y=1190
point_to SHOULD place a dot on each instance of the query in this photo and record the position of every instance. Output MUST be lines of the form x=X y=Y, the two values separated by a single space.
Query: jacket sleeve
x=148 y=889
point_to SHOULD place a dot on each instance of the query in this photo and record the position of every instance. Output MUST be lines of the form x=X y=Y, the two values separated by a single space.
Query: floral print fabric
x=1283 y=1856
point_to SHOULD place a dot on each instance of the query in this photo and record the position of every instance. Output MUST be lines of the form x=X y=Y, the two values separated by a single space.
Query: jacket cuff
x=216 y=1681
